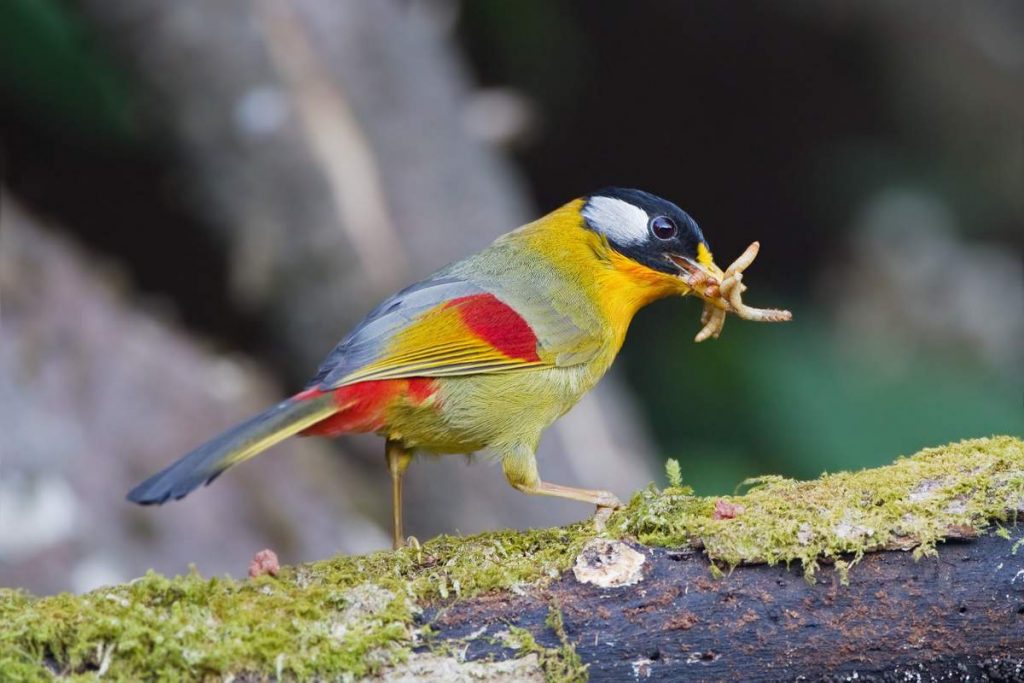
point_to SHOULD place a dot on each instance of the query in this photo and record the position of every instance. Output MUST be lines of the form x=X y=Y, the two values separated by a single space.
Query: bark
x=636 y=600
x=958 y=615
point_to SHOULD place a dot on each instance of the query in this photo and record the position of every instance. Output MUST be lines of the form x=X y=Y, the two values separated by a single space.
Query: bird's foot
x=607 y=499
x=407 y=542
x=606 y=505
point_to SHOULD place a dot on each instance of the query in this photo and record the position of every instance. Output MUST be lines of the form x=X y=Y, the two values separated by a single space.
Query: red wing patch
x=363 y=407
x=498 y=324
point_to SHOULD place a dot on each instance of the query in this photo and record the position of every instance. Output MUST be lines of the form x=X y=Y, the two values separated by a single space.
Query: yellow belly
x=490 y=410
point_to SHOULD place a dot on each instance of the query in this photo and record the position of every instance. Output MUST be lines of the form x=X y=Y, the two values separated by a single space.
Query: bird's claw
x=601 y=518
x=410 y=542
x=606 y=505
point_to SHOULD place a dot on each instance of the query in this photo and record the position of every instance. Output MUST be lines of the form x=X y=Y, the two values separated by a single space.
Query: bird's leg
x=520 y=467
x=602 y=499
x=398 y=457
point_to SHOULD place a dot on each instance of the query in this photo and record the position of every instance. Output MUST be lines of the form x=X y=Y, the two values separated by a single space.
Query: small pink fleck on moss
x=726 y=510
x=264 y=562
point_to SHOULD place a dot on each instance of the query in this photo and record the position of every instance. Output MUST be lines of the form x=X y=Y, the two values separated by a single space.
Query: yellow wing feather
x=442 y=343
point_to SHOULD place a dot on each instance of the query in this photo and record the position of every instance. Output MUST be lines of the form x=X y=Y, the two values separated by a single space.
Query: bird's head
x=656 y=235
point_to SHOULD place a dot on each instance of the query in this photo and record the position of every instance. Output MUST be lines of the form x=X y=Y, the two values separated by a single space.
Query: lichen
x=432 y=667
x=355 y=616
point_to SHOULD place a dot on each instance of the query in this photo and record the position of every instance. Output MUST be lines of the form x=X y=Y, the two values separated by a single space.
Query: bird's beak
x=702 y=279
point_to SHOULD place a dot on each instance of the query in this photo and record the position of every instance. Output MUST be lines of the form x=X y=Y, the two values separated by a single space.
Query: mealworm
x=730 y=291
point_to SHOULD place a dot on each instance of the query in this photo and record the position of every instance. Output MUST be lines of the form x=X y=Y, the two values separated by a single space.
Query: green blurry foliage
x=51 y=70
x=794 y=400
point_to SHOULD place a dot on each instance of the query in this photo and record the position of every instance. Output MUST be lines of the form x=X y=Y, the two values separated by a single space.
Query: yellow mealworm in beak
x=730 y=291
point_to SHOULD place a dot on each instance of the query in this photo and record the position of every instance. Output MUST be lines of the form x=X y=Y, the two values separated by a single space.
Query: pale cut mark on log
x=726 y=297
x=607 y=563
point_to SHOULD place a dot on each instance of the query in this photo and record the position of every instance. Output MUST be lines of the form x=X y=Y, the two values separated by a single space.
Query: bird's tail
x=239 y=443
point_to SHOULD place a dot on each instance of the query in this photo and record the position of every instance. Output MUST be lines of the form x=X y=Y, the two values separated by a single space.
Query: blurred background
x=199 y=199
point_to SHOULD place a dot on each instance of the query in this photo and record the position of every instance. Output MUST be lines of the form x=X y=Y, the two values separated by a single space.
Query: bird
x=485 y=353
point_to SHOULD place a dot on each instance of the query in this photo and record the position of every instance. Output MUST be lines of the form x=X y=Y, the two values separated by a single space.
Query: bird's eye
x=663 y=227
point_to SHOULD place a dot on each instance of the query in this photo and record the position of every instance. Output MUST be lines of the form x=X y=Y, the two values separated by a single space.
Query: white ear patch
x=619 y=221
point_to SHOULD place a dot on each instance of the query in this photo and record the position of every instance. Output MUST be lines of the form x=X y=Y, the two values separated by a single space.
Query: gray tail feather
x=239 y=443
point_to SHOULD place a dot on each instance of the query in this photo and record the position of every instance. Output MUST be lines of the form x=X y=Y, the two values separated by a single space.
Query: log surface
x=958 y=616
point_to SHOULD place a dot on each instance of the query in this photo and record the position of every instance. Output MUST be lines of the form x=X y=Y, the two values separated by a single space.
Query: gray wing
x=366 y=342
x=559 y=337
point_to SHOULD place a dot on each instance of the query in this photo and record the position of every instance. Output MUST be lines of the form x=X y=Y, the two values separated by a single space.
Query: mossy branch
x=462 y=605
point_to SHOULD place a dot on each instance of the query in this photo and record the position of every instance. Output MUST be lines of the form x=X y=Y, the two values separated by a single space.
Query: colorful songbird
x=487 y=352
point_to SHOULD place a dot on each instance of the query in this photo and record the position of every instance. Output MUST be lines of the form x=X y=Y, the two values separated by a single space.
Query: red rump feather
x=498 y=324
x=363 y=406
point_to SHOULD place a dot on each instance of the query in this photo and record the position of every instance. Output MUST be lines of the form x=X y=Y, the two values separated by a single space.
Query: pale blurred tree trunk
x=96 y=393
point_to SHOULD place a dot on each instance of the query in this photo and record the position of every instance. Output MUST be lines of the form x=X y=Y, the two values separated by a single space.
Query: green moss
x=312 y=620
x=560 y=664
x=566 y=665
x=192 y=627
x=673 y=473
x=914 y=503
x=355 y=615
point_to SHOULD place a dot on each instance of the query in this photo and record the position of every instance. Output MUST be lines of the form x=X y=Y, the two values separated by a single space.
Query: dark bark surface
x=958 y=616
